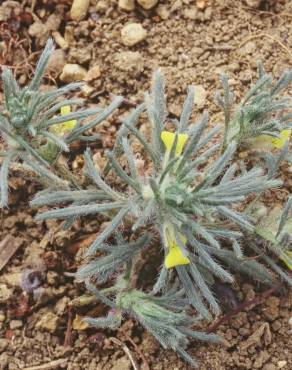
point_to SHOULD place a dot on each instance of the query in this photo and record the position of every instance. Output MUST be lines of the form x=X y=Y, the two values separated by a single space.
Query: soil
x=191 y=44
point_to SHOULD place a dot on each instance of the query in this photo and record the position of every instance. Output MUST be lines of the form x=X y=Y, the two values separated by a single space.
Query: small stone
x=290 y=321
x=201 y=4
x=129 y=61
x=147 y=4
x=3 y=344
x=249 y=47
x=87 y=90
x=52 y=278
x=255 y=4
x=269 y=366
x=2 y=316
x=191 y=13
x=53 y=22
x=92 y=74
x=5 y=14
x=276 y=325
x=79 y=55
x=281 y=364
x=15 y=324
x=163 y=12
x=200 y=96
x=79 y=9
x=5 y=293
x=73 y=72
x=57 y=62
x=101 y=6
x=49 y=322
x=62 y=305
x=59 y=40
x=127 y=5
x=132 y=34
x=12 y=279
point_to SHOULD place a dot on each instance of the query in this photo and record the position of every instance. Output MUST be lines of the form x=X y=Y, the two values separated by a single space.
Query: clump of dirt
x=191 y=44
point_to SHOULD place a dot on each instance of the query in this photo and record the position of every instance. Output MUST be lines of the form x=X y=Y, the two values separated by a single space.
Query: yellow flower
x=281 y=141
x=168 y=140
x=63 y=128
x=175 y=256
x=287 y=260
x=269 y=142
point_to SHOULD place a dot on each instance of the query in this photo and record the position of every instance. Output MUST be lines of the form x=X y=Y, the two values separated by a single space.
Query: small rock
x=87 y=90
x=3 y=344
x=200 y=96
x=271 y=311
x=201 y=4
x=92 y=74
x=57 y=62
x=129 y=61
x=79 y=55
x=132 y=34
x=147 y=4
x=12 y=279
x=73 y=72
x=48 y=321
x=249 y=47
x=53 y=22
x=127 y=5
x=269 y=366
x=15 y=324
x=281 y=364
x=62 y=305
x=59 y=40
x=5 y=293
x=79 y=9
x=255 y=4
x=176 y=6
x=5 y=13
x=191 y=13
x=290 y=321
x=276 y=325
x=2 y=316
x=101 y=6
x=163 y=12
x=52 y=278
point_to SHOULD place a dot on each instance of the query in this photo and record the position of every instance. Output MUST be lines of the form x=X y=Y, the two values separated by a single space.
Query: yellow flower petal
x=66 y=109
x=168 y=140
x=281 y=141
x=287 y=261
x=64 y=127
x=175 y=256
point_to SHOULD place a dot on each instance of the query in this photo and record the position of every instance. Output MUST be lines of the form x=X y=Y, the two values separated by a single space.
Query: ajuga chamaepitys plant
x=34 y=132
x=261 y=117
x=182 y=204
x=186 y=199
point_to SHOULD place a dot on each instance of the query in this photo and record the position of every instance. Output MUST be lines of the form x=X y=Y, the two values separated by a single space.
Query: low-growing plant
x=181 y=204
x=33 y=135
x=262 y=117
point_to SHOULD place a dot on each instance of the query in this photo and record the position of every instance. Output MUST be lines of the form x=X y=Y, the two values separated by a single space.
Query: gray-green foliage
x=27 y=116
x=181 y=205
x=187 y=193
x=262 y=111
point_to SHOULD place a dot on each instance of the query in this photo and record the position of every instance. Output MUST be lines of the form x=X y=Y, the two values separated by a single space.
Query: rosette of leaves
x=262 y=118
x=187 y=199
x=34 y=133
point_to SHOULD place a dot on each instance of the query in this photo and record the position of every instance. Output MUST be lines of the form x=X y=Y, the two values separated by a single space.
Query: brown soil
x=191 y=47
